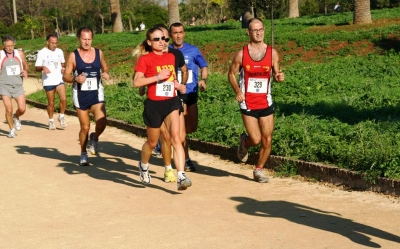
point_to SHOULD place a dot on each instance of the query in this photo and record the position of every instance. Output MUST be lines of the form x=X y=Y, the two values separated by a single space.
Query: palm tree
x=362 y=12
x=15 y=12
x=116 y=16
x=248 y=13
x=173 y=11
x=294 y=8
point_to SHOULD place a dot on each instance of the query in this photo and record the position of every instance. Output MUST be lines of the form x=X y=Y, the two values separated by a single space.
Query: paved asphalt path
x=48 y=201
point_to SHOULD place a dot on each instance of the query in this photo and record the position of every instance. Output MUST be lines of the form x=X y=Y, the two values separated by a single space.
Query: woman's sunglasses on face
x=162 y=38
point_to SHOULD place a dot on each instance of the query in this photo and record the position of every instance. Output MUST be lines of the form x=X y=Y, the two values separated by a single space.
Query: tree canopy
x=36 y=18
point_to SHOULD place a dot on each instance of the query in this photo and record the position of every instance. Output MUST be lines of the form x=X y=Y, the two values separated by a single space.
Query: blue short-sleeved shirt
x=194 y=60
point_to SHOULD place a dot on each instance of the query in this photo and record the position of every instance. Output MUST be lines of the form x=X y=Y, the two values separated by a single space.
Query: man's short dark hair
x=84 y=29
x=51 y=35
x=175 y=25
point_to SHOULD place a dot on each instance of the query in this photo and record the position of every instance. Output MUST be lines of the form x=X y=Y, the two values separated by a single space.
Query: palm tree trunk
x=173 y=11
x=116 y=16
x=248 y=13
x=130 y=24
x=362 y=12
x=294 y=8
x=102 y=23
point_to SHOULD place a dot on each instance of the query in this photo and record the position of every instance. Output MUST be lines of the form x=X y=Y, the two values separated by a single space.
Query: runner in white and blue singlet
x=84 y=68
x=91 y=91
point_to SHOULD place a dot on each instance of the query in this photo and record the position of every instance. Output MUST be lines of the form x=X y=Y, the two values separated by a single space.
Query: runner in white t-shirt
x=50 y=61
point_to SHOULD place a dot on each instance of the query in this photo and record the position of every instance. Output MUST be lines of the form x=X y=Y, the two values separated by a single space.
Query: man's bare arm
x=185 y=74
x=69 y=68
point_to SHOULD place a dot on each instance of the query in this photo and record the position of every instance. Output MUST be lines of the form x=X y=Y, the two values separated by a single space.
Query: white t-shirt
x=52 y=60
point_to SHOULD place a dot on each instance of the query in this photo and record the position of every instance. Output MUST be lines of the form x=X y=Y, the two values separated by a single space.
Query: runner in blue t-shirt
x=194 y=60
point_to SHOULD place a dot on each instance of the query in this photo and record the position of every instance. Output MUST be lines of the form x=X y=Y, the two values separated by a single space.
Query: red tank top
x=256 y=80
x=150 y=65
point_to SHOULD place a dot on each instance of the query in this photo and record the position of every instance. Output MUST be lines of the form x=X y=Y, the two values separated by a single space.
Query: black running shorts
x=189 y=99
x=156 y=111
x=259 y=113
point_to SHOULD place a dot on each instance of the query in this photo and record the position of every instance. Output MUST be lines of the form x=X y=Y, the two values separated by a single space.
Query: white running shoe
x=84 y=160
x=259 y=176
x=94 y=143
x=52 y=125
x=17 y=123
x=63 y=124
x=144 y=174
x=184 y=182
x=11 y=134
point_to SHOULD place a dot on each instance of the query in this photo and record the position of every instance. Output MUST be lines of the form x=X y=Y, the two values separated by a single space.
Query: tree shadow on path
x=315 y=218
x=104 y=168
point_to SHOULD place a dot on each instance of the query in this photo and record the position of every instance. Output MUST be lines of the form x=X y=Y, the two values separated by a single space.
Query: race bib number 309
x=257 y=85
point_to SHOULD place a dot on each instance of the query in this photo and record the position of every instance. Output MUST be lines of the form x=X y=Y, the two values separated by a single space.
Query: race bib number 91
x=89 y=84
x=257 y=85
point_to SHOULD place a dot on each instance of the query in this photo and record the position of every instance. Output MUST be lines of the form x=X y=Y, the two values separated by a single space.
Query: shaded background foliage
x=36 y=18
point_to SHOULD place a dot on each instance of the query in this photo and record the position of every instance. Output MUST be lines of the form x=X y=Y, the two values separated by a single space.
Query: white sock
x=51 y=119
x=144 y=166
x=168 y=167
x=61 y=115
x=181 y=175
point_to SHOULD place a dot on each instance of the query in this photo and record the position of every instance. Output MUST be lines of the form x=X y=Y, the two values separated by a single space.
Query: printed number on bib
x=257 y=85
x=165 y=89
x=89 y=84
x=13 y=70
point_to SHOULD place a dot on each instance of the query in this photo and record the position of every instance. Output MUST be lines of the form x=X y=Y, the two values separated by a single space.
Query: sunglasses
x=162 y=38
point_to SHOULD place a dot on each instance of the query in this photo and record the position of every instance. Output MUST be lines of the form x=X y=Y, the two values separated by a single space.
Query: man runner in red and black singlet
x=257 y=62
